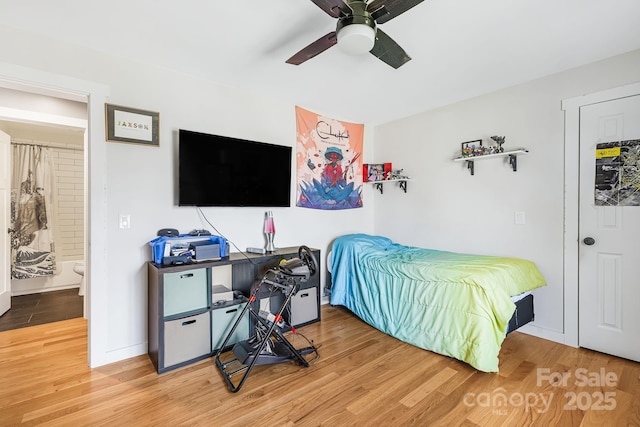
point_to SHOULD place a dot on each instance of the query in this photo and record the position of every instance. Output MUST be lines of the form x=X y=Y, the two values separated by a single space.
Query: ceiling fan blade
x=385 y=10
x=388 y=50
x=315 y=48
x=334 y=8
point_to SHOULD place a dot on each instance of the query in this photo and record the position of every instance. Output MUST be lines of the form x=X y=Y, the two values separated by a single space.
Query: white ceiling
x=460 y=48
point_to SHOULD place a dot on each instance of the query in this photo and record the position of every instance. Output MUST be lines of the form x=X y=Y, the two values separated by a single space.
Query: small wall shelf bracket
x=513 y=161
x=401 y=182
x=470 y=166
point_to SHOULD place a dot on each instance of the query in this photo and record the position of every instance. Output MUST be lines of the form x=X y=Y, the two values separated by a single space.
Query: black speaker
x=169 y=232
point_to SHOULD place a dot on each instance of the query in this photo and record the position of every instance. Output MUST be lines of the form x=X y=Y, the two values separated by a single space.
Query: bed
x=458 y=305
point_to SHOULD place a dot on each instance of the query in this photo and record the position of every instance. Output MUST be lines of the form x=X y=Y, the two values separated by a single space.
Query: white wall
x=447 y=208
x=140 y=180
x=69 y=167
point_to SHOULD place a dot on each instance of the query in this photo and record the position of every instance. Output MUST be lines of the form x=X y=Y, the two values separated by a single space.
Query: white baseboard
x=39 y=290
x=547 y=334
x=118 y=355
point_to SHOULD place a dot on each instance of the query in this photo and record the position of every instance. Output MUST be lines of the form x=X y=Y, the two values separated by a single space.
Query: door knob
x=589 y=241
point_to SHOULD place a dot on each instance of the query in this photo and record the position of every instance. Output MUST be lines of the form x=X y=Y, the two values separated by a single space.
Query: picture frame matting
x=131 y=125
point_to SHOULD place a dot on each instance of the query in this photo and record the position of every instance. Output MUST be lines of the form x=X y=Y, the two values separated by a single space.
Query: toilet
x=79 y=269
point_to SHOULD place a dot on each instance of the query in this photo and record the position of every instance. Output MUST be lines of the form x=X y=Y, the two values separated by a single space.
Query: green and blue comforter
x=453 y=304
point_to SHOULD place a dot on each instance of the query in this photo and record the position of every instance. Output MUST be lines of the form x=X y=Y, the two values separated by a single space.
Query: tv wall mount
x=268 y=345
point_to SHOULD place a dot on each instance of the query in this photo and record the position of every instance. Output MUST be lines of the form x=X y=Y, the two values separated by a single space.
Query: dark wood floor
x=363 y=378
x=41 y=308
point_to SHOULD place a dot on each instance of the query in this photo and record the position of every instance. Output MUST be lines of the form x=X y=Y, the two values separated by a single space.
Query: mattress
x=522 y=315
x=457 y=305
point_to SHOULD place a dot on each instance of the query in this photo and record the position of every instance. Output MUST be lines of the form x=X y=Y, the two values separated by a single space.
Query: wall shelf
x=379 y=184
x=513 y=159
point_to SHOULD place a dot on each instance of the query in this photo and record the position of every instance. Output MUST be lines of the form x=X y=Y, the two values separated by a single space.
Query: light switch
x=519 y=218
x=125 y=221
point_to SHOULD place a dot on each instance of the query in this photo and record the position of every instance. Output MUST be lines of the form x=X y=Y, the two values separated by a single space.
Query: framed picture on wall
x=372 y=172
x=124 y=124
x=471 y=148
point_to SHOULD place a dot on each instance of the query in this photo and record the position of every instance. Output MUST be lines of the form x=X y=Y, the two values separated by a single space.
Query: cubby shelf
x=187 y=322
x=379 y=184
x=513 y=158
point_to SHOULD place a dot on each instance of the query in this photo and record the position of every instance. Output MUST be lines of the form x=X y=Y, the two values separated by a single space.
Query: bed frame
x=523 y=314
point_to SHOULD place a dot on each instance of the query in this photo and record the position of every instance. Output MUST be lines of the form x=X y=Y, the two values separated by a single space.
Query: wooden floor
x=363 y=378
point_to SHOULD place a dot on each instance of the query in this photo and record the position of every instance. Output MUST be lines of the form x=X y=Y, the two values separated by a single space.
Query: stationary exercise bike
x=268 y=345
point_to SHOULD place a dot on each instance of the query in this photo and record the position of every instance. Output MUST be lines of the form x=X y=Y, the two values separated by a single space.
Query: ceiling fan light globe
x=356 y=38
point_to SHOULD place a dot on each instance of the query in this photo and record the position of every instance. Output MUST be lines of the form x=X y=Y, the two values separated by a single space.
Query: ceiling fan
x=357 y=31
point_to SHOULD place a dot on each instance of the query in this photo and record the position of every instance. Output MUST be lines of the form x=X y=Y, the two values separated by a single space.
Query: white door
x=609 y=254
x=5 y=209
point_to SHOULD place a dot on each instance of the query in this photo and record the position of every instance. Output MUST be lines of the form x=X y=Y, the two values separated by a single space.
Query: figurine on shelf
x=499 y=140
x=397 y=174
x=472 y=148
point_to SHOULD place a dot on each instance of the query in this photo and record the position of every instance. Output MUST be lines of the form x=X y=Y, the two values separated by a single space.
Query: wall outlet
x=519 y=218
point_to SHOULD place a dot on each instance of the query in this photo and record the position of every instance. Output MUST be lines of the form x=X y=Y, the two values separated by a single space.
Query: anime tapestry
x=328 y=162
x=618 y=173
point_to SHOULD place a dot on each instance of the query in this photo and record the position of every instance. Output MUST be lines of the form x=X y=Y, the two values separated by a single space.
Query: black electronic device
x=217 y=170
x=205 y=250
x=168 y=232
x=200 y=232
x=176 y=260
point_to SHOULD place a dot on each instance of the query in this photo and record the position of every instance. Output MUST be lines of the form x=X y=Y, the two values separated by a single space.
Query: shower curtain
x=32 y=213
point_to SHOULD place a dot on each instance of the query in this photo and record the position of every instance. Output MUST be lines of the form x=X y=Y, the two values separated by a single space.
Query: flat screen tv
x=222 y=171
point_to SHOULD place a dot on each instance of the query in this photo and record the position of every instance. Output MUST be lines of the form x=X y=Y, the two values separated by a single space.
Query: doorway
x=574 y=243
x=610 y=227
x=95 y=94
x=58 y=126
